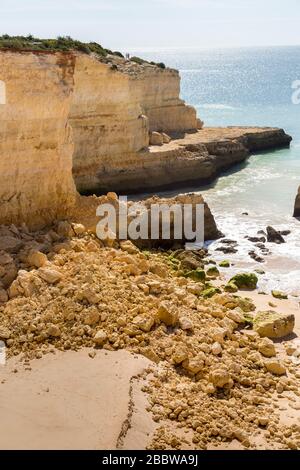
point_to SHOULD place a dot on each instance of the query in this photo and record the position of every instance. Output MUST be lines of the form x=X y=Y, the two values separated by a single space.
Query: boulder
x=10 y=244
x=50 y=275
x=8 y=270
x=279 y=295
x=216 y=349
x=195 y=364
x=25 y=284
x=167 y=314
x=210 y=292
x=166 y=138
x=190 y=260
x=213 y=272
x=185 y=323
x=297 y=205
x=185 y=201
x=245 y=280
x=275 y=367
x=91 y=318
x=79 y=229
x=231 y=287
x=5 y=333
x=219 y=377
x=3 y=295
x=64 y=229
x=180 y=354
x=53 y=330
x=156 y=138
x=143 y=322
x=273 y=325
x=266 y=347
x=127 y=245
x=198 y=275
x=273 y=236
x=100 y=338
x=37 y=259
x=224 y=264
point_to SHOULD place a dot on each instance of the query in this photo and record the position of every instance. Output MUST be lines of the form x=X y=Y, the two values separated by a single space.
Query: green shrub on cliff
x=137 y=60
x=62 y=43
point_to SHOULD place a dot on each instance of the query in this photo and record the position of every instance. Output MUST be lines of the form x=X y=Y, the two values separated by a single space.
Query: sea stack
x=297 y=204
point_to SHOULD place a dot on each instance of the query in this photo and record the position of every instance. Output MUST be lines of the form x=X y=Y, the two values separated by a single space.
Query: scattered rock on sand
x=279 y=295
x=245 y=280
x=224 y=264
x=266 y=347
x=275 y=367
x=100 y=338
x=273 y=324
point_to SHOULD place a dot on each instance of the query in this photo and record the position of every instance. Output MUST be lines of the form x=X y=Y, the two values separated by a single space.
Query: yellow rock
x=167 y=314
x=37 y=259
x=275 y=367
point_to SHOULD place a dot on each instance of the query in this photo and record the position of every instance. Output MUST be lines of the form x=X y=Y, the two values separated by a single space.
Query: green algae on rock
x=224 y=264
x=279 y=295
x=245 y=280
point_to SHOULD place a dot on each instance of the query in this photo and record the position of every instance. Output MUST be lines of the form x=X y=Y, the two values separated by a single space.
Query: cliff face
x=107 y=121
x=71 y=113
x=158 y=93
x=113 y=111
x=35 y=137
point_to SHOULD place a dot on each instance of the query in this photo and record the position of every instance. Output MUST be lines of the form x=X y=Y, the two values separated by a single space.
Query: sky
x=153 y=24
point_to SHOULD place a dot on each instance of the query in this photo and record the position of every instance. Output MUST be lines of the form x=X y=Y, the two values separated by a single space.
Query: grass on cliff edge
x=62 y=43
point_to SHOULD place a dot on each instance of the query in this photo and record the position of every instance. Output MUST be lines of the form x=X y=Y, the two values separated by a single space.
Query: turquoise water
x=249 y=87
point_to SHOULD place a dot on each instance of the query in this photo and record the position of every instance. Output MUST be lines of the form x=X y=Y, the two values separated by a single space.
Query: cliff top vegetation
x=62 y=43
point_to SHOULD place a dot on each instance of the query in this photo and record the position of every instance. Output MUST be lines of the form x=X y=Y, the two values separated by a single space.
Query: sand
x=70 y=401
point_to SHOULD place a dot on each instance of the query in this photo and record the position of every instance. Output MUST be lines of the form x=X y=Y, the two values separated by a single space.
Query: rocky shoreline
x=195 y=158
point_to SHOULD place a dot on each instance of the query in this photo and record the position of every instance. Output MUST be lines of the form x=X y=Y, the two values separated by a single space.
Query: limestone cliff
x=113 y=109
x=35 y=138
x=158 y=93
x=196 y=158
x=52 y=96
x=107 y=122
x=70 y=112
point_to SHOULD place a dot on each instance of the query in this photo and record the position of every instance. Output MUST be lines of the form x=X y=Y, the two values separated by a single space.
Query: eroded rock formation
x=297 y=205
x=36 y=144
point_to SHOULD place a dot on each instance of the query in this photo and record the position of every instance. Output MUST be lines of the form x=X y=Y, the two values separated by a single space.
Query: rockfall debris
x=214 y=376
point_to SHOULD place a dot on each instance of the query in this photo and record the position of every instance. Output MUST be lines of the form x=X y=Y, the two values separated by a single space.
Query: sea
x=249 y=87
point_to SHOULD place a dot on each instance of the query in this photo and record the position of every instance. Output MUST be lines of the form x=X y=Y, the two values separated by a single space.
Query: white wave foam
x=217 y=106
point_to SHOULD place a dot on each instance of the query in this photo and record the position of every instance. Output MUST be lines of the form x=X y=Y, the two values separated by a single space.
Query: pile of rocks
x=159 y=138
x=215 y=376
